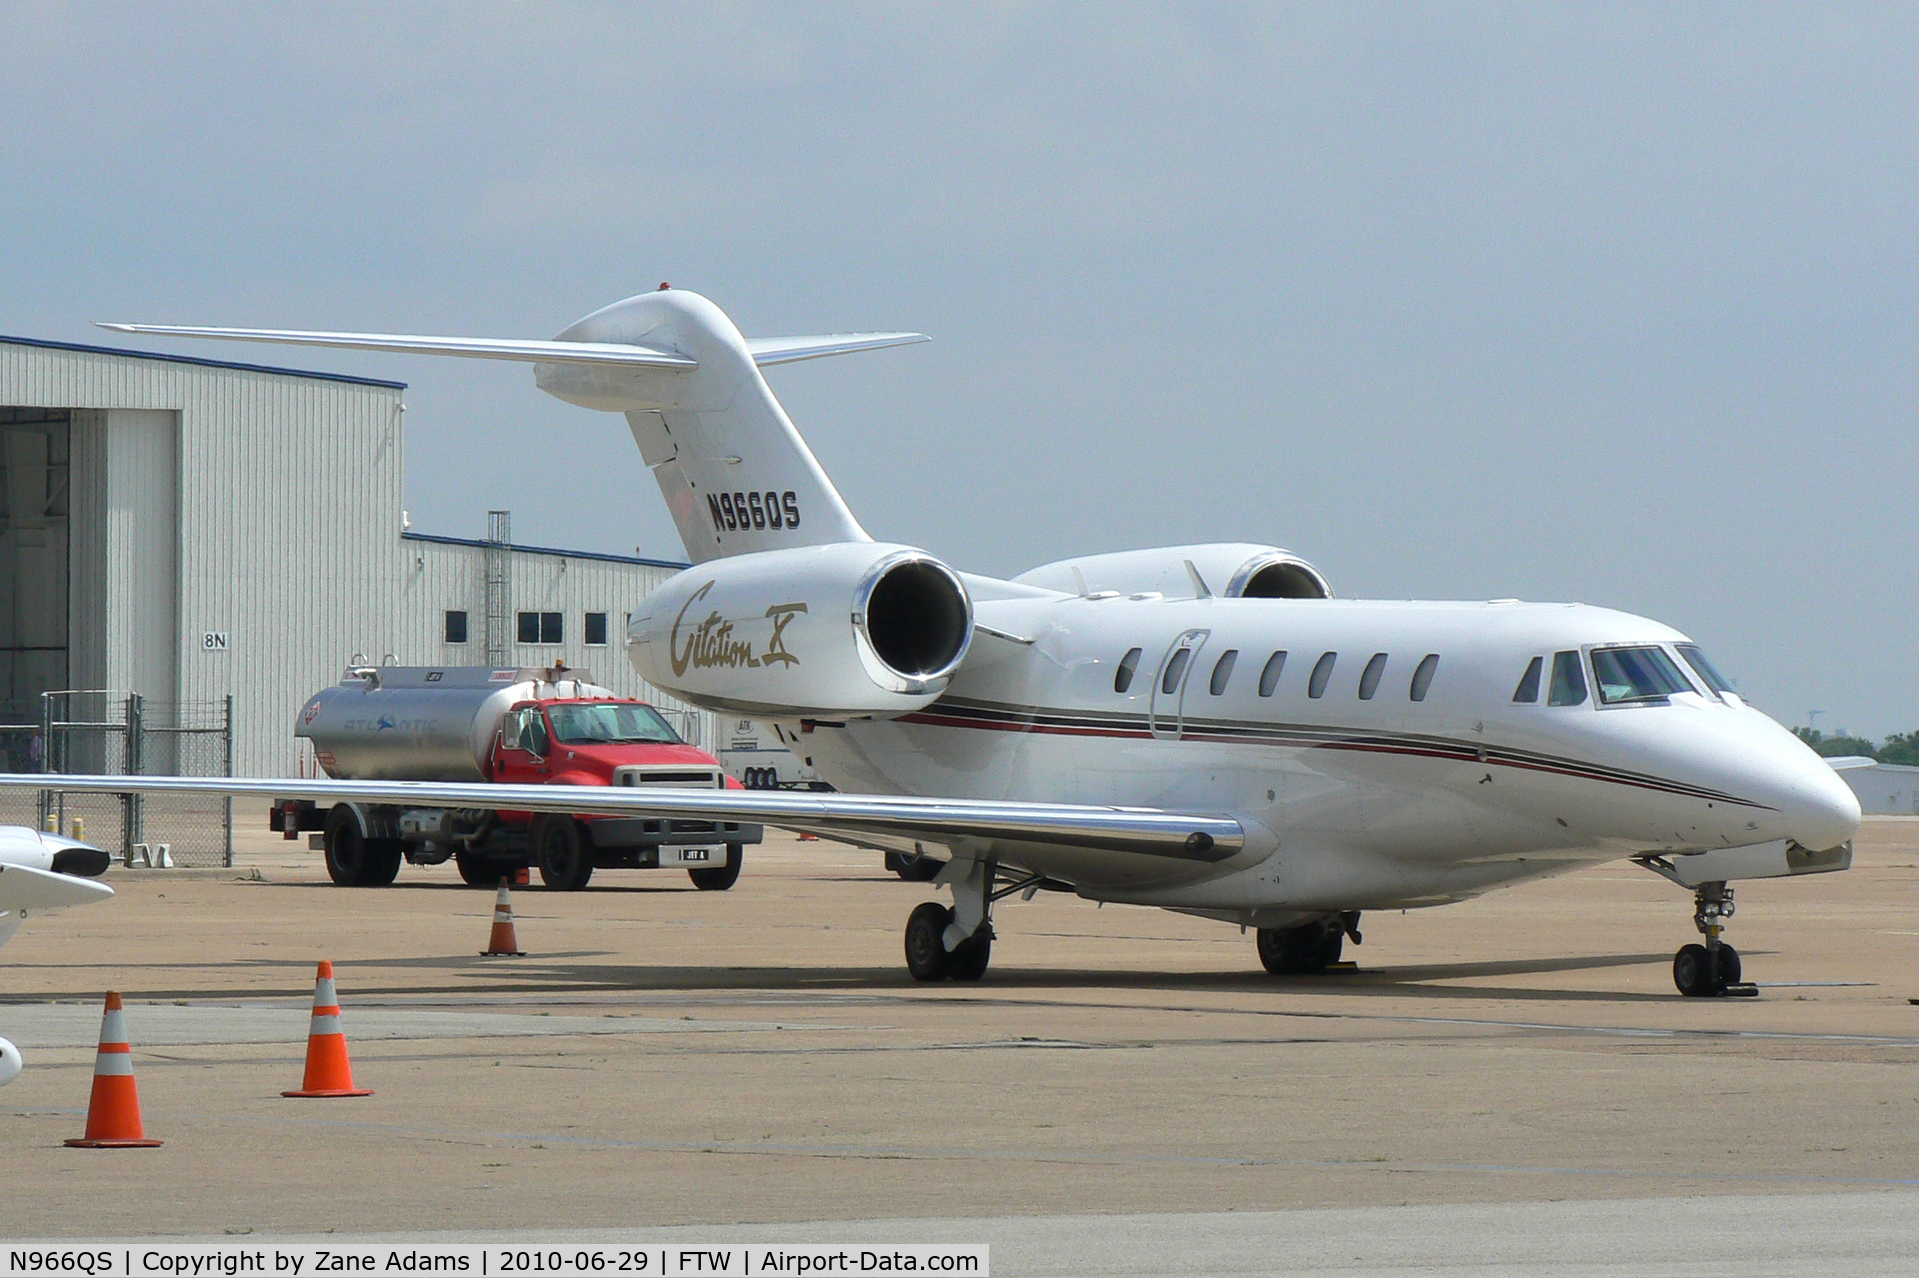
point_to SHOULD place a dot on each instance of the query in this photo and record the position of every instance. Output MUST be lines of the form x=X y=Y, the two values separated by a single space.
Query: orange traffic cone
x=329 y=1072
x=503 y=943
x=113 y=1113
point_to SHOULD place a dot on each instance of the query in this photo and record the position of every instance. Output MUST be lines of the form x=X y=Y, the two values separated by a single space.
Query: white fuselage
x=1353 y=803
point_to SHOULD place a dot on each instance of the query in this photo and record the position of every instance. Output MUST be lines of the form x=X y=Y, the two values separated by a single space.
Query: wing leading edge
x=1148 y=832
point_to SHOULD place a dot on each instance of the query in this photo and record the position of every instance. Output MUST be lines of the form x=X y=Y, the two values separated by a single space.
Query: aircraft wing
x=1183 y=836
x=25 y=890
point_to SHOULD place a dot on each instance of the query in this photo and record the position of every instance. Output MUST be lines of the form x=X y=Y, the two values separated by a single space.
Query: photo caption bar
x=707 y=1260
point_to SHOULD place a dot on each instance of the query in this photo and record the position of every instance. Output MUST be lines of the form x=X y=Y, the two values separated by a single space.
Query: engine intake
x=915 y=615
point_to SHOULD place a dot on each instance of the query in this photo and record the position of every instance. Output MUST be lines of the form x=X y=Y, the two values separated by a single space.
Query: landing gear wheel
x=1303 y=950
x=926 y=957
x=720 y=877
x=914 y=867
x=352 y=859
x=1728 y=965
x=968 y=962
x=478 y=871
x=1692 y=972
x=564 y=851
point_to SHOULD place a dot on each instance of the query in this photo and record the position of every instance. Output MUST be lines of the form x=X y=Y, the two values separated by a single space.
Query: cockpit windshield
x=1636 y=674
x=1707 y=672
x=608 y=723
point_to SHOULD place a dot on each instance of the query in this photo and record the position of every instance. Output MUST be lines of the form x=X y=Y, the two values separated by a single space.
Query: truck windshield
x=610 y=724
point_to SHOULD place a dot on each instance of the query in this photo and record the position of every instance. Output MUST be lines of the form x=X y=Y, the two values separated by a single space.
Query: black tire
x=383 y=860
x=478 y=871
x=720 y=877
x=1692 y=972
x=915 y=867
x=1728 y=966
x=1301 y=951
x=926 y=956
x=564 y=852
x=968 y=962
x=346 y=848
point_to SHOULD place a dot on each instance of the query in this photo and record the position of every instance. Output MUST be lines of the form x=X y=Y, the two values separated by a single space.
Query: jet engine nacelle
x=853 y=629
x=1231 y=570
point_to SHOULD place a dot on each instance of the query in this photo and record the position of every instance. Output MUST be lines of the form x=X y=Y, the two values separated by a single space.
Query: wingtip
x=118 y=328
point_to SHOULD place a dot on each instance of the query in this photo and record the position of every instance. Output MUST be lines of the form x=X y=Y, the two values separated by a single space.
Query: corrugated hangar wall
x=232 y=529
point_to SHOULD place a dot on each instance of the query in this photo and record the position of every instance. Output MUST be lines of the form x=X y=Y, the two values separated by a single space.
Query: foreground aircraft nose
x=1820 y=810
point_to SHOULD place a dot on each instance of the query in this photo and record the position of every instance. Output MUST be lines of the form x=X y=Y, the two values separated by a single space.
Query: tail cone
x=329 y=1072
x=113 y=1113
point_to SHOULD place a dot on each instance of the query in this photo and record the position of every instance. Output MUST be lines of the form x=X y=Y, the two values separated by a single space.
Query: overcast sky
x=1606 y=303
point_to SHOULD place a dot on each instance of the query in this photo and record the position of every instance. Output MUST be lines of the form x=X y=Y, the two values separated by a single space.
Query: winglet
x=790 y=350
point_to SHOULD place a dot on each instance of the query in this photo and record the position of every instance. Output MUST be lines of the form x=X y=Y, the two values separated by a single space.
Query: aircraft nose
x=1820 y=810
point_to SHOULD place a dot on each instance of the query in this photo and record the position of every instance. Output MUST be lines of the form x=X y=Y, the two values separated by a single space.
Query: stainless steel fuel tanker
x=423 y=723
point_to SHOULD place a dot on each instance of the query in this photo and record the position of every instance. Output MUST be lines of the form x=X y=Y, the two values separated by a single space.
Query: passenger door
x=1169 y=683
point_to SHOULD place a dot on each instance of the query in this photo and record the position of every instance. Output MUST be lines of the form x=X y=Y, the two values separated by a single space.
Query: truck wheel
x=720 y=877
x=382 y=862
x=345 y=849
x=481 y=871
x=564 y=852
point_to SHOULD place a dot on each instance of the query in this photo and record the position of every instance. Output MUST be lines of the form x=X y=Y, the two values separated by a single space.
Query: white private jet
x=1201 y=728
x=38 y=873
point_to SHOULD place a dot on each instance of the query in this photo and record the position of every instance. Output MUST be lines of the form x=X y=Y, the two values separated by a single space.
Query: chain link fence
x=90 y=731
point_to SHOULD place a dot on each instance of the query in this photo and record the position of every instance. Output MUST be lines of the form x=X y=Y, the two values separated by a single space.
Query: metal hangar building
x=191 y=530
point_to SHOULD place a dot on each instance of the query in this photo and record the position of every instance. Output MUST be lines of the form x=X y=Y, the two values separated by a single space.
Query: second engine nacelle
x=1231 y=570
x=824 y=632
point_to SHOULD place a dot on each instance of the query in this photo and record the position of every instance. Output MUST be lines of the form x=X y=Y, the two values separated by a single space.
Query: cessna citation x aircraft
x=1201 y=728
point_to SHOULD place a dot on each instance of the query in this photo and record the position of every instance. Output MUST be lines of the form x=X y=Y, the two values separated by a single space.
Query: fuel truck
x=507 y=726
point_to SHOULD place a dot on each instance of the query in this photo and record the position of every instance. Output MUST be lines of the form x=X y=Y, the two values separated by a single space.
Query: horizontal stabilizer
x=791 y=350
x=522 y=350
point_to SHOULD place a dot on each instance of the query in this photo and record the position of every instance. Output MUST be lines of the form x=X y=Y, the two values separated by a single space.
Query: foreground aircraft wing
x=765 y=350
x=25 y=890
x=1145 y=831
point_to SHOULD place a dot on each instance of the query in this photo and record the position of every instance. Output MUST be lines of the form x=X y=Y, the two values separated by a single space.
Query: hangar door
x=35 y=452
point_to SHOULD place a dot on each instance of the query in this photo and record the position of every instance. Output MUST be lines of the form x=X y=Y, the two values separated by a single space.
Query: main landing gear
x=1307 y=948
x=1710 y=970
x=957 y=944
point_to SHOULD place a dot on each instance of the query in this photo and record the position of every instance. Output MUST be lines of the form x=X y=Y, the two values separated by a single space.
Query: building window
x=456 y=625
x=596 y=629
x=540 y=627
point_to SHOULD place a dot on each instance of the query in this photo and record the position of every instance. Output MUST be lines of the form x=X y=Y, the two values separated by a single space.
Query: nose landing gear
x=1710 y=970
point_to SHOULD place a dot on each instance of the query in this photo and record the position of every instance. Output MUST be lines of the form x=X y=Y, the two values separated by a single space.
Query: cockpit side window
x=1123 y=677
x=1569 y=680
x=1642 y=674
x=1528 y=690
x=1707 y=672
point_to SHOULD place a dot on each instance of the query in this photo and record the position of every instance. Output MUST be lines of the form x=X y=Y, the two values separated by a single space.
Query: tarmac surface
x=1508 y=1085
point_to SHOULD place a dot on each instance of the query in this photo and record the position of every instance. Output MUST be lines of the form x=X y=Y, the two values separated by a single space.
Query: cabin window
x=1123 y=677
x=596 y=629
x=1223 y=670
x=1707 y=672
x=1527 y=692
x=1423 y=676
x=1269 y=677
x=1370 y=676
x=1637 y=674
x=540 y=627
x=1322 y=674
x=1174 y=669
x=1569 y=680
x=456 y=625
